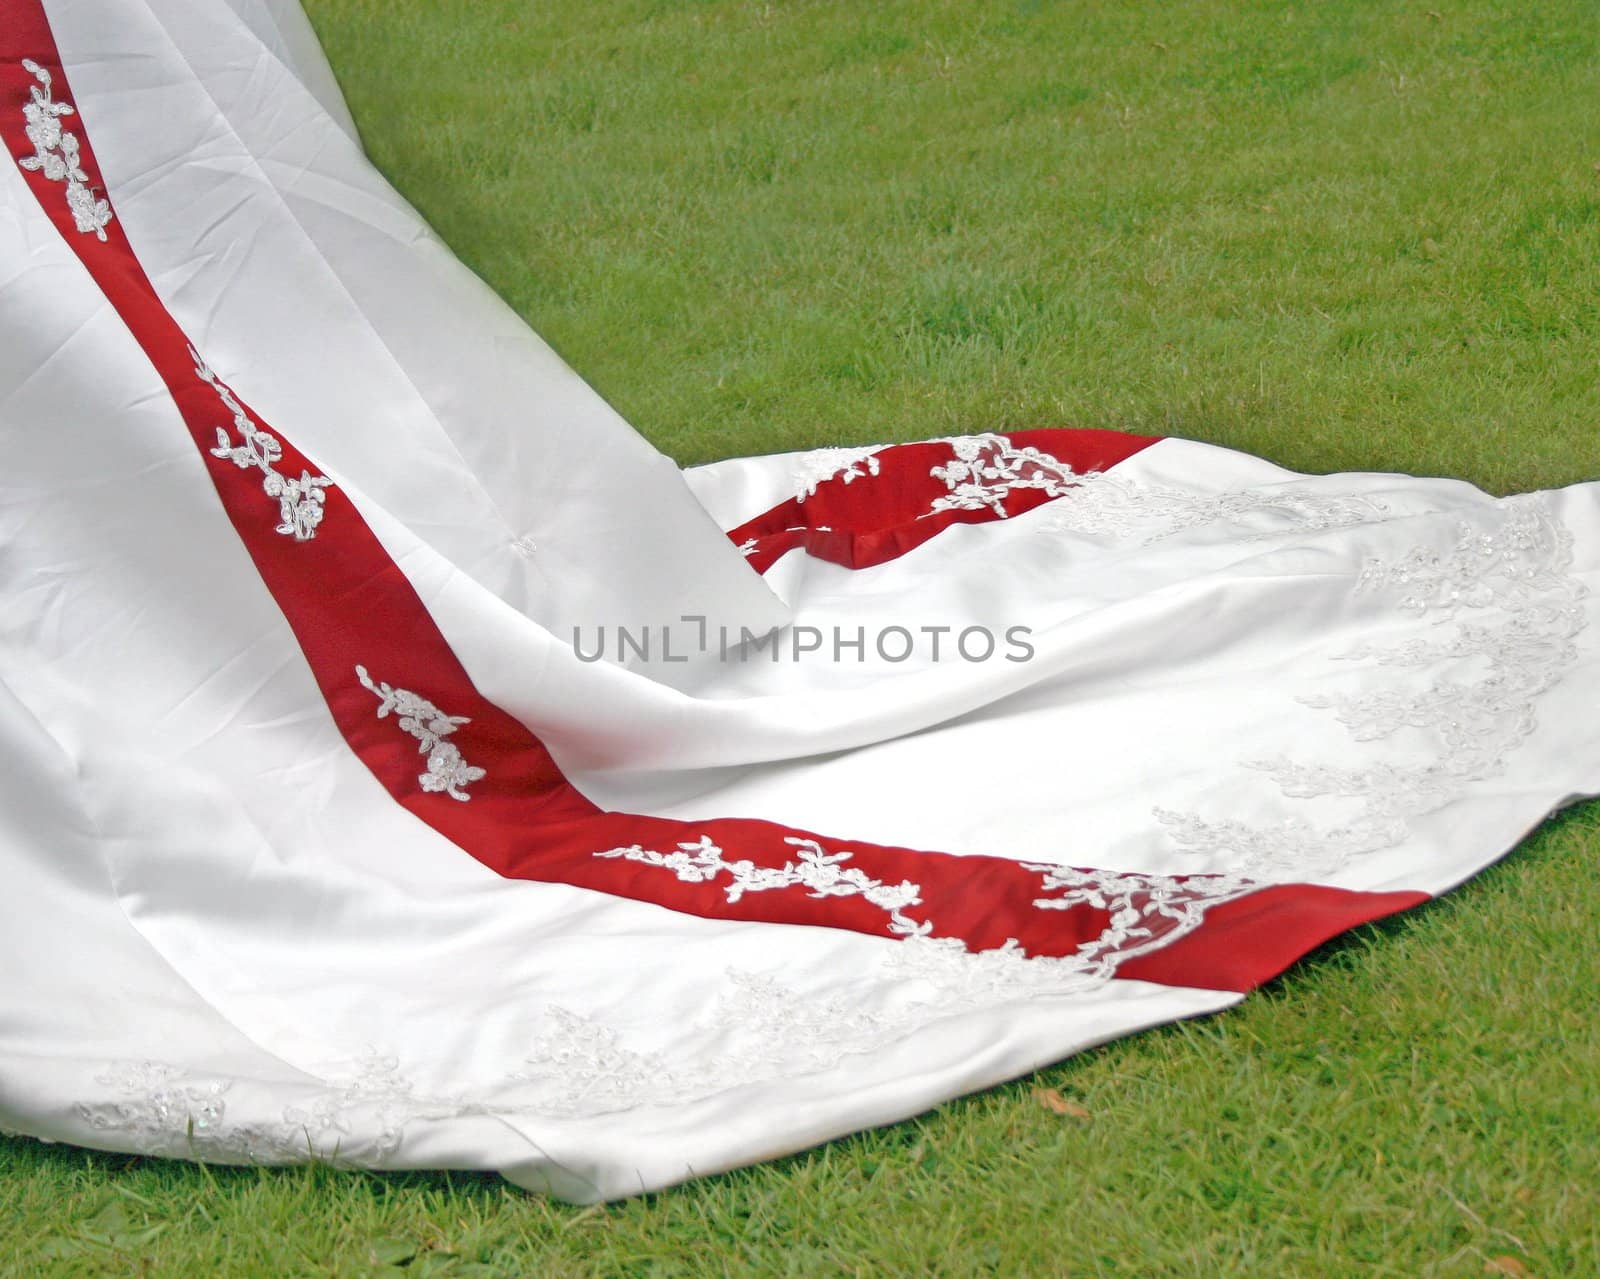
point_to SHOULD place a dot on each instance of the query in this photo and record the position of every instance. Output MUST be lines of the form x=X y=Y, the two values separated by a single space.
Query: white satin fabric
x=220 y=936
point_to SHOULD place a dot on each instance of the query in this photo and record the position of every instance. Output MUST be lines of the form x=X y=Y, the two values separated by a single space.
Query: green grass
x=1346 y=236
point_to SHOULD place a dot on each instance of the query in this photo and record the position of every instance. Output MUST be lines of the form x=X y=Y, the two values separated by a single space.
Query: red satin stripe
x=349 y=604
x=863 y=522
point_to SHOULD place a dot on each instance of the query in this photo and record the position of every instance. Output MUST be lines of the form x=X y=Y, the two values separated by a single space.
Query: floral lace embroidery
x=986 y=469
x=447 y=770
x=1505 y=600
x=760 y=1031
x=1513 y=580
x=812 y=470
x=822 y=873
x=1148 y=912
x=158 y=1102
x=757 y=1031
x=162 y=1109
x=376 y=1086
x=56 y=153
x=300 y=502
x=1105 y=504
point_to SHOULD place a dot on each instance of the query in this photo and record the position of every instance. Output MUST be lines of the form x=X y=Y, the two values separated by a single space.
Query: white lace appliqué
x=1507 y=612
x=56 y=151
x=820 y=873
x=813 y=469
x=157 y=1103
x=1103 y=504
x=756 y=1031
x=447 y=770
x=358 y=1117
x=765 y=1031
x=300 y=502
x=987 y=469
x=760 y=1031
x=1148 y=912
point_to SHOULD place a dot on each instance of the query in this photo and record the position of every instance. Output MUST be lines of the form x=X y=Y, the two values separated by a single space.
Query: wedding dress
x=405 y=764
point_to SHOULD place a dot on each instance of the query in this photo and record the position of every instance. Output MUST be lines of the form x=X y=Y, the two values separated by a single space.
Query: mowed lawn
x=1348 y=236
